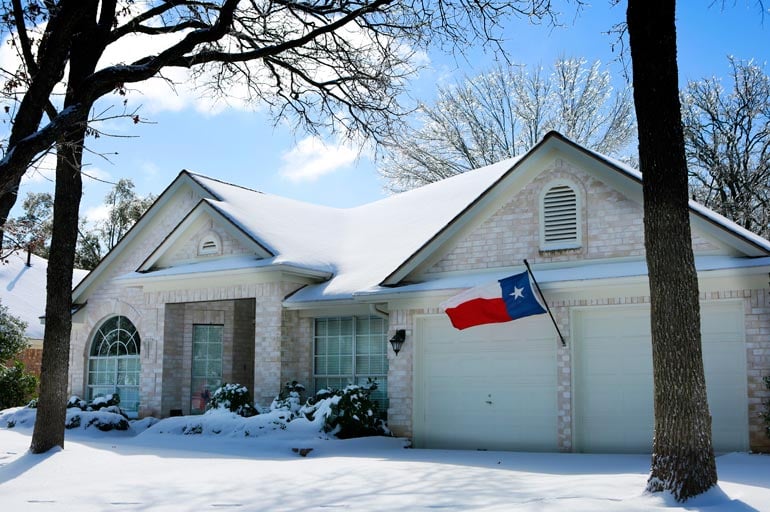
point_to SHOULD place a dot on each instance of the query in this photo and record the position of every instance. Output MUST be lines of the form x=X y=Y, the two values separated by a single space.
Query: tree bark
x=51 y=409
x=88 y=44
x=683 y=457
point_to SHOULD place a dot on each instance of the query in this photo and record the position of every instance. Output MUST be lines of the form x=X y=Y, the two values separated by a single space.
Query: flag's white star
x=518 y=293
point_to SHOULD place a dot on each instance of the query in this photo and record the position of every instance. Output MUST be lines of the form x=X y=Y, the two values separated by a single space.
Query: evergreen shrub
x=17 y=386
x=234 y=398
x=349 y=412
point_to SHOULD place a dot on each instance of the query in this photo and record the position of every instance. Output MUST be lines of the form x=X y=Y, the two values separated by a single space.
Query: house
x=219 y=283
x=22 y=291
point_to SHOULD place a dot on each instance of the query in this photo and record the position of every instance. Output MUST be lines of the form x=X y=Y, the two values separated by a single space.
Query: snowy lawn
x=159 y=469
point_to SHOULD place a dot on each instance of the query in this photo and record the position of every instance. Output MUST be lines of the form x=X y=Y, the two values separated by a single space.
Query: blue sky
x=246 y=146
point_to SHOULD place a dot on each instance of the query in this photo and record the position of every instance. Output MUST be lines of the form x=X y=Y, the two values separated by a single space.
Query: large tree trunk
x=51 y=410
x=683 y=457
x=88 y=43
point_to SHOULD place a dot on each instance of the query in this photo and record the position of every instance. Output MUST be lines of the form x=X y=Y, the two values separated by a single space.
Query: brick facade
x=32 y=357
x=267 y=345
x=612 y=228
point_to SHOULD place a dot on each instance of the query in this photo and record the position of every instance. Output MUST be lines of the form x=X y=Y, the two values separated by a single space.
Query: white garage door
x=614 y=385
x=488 y=387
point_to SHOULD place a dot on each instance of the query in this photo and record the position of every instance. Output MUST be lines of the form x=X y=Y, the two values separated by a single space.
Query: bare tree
x=683 y=457
x=503 y=113
x=727 y=139
x=32 y=230
x=328 y=65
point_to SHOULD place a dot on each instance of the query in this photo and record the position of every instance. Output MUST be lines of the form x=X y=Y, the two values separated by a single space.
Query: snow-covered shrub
x=75 y=402
x=100 y=402
x=72 y=421
x=290 y=399
x=192 y=429
x=109 y=418
x=234 y=398
x=348 y=413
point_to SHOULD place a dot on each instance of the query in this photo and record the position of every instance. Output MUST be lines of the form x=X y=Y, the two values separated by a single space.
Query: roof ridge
x=194 y=175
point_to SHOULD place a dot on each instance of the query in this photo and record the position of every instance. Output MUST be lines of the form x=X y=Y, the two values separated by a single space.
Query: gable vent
x=209 y=244
x=560 y=217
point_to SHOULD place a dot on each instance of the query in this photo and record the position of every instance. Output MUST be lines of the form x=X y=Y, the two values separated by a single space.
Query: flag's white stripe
x=484 y=291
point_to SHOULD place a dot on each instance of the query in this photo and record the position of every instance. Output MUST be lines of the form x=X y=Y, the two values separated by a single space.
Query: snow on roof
x=549 y=275
x=22 y=289
x=360 y=245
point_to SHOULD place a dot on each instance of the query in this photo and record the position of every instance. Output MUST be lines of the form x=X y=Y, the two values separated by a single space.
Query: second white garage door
x=613 y=380
x=487 y=387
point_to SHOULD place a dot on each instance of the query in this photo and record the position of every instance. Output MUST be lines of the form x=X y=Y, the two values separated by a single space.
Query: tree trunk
x=683 y=457
x=51 y=410
x=88 y=44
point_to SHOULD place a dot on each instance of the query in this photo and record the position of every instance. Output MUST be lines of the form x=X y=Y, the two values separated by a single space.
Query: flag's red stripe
x=477 y=312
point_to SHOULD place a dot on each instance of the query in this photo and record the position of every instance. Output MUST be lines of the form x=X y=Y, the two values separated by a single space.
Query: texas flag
x=500 y=301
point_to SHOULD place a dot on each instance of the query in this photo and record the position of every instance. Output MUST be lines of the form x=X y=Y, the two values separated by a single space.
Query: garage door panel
x=488 y=387
x=613 y=378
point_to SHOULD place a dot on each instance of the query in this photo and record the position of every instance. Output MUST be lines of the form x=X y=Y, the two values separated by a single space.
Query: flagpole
x=529 y=270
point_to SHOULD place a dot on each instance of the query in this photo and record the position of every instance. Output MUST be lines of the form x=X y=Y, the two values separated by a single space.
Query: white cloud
x=96 y=214
x=313 y=157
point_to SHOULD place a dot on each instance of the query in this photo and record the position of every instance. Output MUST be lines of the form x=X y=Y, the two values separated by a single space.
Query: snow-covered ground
x=156 y=468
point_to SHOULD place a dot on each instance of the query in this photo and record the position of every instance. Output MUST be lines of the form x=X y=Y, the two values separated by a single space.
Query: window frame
x=200 y=396
x=127 y=350
x=355 y=376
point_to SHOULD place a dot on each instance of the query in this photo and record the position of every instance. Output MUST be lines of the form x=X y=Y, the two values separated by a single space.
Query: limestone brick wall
x=243 y=346
x=111 y=299
x=149 y=314
x=757 y=307
x=401 y=371
x=611 y=227
x=268 y=337
x=173 y=369
x=297 y=349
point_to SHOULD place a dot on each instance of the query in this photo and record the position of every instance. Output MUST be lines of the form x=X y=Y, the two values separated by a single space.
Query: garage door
x=489 y=387
x=614 y=385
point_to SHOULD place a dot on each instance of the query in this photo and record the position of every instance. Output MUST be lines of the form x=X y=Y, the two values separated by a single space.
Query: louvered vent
x=560 y=216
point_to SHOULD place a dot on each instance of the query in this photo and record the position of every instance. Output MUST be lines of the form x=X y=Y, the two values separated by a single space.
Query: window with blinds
x=560 y=218
x=351 y=350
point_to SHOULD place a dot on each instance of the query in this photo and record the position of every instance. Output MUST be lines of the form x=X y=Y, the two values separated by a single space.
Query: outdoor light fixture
x=398 y=340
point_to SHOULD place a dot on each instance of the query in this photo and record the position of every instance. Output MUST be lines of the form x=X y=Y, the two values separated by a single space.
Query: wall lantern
x=398 y=340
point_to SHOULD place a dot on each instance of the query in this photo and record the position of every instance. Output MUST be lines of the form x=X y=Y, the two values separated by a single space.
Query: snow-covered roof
x=357 y=252
x=560 y=276
x=22 y=289
x=360 y=246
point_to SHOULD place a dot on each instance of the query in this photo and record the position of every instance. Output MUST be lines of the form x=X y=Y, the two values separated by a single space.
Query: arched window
x=113 y=364
x=560 y=226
